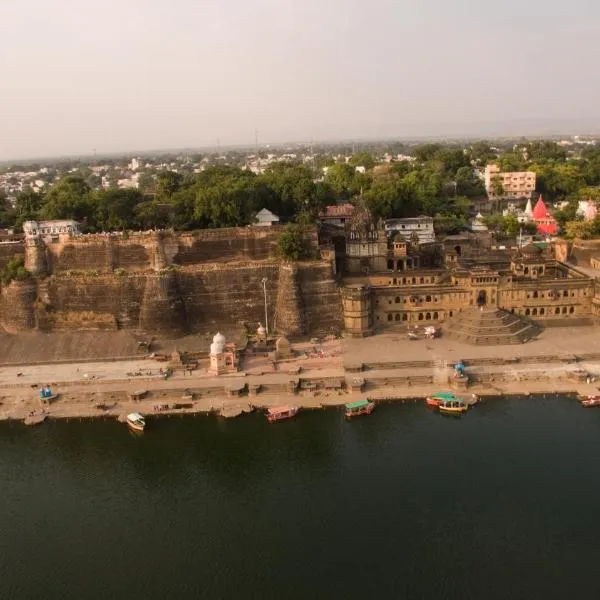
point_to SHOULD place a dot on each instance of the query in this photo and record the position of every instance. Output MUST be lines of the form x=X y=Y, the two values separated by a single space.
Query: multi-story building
x=415 y=228
x=514 y=184
x=464 y=273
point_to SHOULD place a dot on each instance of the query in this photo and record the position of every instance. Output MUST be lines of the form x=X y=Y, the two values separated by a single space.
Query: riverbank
x=329 y=374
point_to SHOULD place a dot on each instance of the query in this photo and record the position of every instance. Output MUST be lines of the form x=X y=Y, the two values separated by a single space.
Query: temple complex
x=389 y=282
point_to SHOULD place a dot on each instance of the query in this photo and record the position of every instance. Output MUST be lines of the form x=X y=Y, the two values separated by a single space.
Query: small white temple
x=223 y=356
x=477 y=224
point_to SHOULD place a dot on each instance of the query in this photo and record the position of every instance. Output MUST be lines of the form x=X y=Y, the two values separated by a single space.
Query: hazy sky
x=121 y=75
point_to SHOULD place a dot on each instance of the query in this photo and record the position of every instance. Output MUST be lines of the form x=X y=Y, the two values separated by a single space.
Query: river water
x=501 y=503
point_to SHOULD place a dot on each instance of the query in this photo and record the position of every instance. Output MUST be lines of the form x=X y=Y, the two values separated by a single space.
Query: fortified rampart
x=170 y=283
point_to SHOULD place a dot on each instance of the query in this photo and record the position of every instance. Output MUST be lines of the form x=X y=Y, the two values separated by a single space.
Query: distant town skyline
x=142 y=76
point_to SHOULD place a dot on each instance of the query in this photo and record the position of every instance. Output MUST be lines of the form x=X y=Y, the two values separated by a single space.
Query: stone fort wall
x=8 y=250
x=172 y=284
x=146 y=251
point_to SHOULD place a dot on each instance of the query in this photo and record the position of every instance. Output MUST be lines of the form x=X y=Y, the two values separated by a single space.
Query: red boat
x=589 y=401
x=280 y=413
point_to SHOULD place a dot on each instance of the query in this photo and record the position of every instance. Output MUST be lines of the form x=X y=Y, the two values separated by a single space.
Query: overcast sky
x=122 y=75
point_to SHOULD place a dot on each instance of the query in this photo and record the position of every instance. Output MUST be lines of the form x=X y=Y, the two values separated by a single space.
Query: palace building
x=388 y=281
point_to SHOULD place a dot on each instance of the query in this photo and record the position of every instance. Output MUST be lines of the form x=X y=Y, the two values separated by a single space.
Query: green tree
x=362 y=159
x=14 y=269
x=115 y=209
x=497 y=187
x=293 y=190
x=346 y=182
x=69 y=198
x=292 y=243
x=27 y=205
x=468 y=184
x=167 y=184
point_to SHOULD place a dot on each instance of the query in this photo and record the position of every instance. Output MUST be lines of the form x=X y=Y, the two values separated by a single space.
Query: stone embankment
x=111 y=395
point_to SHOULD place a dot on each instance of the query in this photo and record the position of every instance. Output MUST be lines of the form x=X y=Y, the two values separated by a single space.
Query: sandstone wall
x=17 y=302
x=228 y=295
x=320 y=298
x=173 y=284
x=10 y=249
x=210 y=245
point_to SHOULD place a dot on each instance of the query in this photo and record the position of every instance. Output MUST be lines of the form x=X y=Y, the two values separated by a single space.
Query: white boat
x=136 y=421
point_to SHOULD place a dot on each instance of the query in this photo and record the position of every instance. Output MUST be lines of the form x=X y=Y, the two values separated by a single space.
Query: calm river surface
x=502 y=503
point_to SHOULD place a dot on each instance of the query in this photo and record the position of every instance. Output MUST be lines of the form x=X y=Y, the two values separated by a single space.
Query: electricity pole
x=264 y=282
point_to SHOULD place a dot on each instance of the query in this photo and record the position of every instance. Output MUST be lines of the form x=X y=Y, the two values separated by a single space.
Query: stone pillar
x=36 y=261
x=163 y=310
x=356 y=304
x=289 y=313
x=18 y=305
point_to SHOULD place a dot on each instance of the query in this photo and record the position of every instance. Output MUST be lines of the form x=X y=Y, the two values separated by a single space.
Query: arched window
x=422 y=280
x=534 y=312
x=557 y=310
x=428 y=317
x=420 y=316
x=404 y=280
x=414 y=280
x=395 y=281
x=397 y=317
x=535 y=294
x=542 y=311
x=404 y=317
x=450 y=313
x=571 y=309
x=397 y=301
x=436 y=316
x=527 y=311
x=564 y=310
x=565 y=294
x=427 y=298
x=391 y=265
x=390 y=317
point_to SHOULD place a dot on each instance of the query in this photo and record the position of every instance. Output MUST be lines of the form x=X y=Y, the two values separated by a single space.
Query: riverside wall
x=171 y=284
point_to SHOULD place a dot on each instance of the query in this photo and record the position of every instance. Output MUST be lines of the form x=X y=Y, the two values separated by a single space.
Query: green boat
x=360 y=407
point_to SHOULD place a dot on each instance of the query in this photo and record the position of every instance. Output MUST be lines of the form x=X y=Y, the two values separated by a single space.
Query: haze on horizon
x=146 y=74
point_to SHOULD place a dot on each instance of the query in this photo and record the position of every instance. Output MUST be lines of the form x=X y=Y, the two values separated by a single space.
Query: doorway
x=481 y=298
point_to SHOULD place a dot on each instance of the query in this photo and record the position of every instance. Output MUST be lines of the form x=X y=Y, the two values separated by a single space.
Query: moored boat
x=136 y=421
x=453 y=407
x=281 y=413
x=435 y=400
x=360 y=407
x=589 y=401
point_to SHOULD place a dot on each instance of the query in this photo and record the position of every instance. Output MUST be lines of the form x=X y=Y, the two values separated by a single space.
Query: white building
x=421 y=226
x=34 y=229
x=135 y=164
x=265 y=218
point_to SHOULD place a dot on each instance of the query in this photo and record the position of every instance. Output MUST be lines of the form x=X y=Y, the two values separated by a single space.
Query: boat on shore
x=281 y=413
x=437 y=399
x=358 y=408
x=136 y=422
x=589 y=401
x=453 y=407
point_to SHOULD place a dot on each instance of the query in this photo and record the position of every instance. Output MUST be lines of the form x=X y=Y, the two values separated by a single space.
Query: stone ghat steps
x=490 y=328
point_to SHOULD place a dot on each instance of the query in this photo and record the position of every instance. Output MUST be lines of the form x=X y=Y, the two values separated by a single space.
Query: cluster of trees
x=440 y=182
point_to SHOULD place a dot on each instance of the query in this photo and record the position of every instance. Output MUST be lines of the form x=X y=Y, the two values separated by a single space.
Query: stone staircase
x=490 y=327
